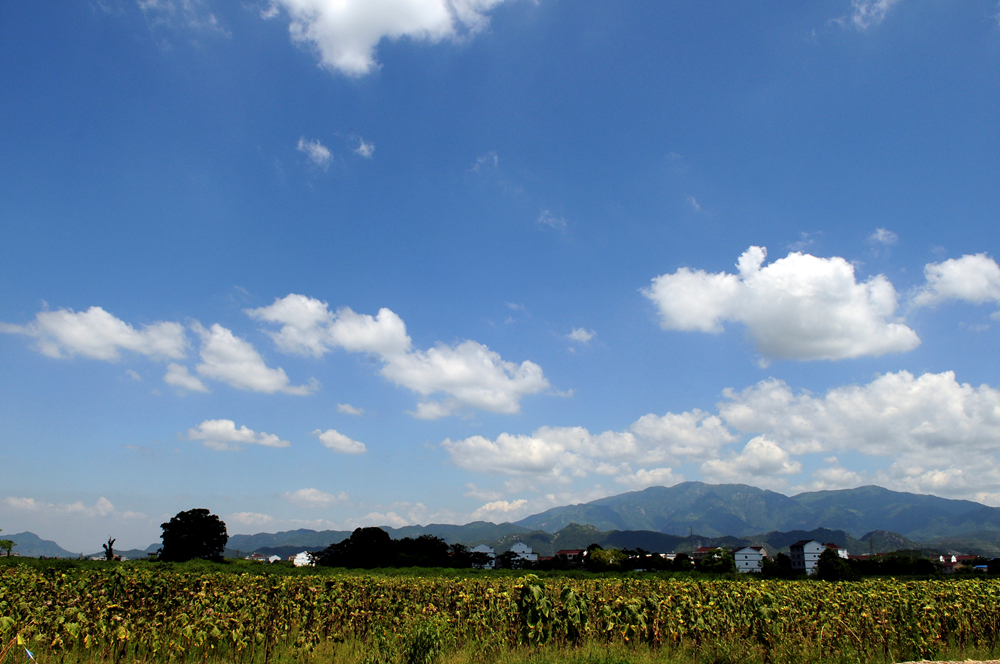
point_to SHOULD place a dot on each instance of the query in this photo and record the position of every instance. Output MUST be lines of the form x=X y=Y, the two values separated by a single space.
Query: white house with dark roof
x=805 y=554
x=750 y=559
x=523 y=551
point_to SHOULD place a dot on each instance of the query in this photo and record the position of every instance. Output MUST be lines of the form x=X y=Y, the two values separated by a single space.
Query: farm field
x=148 y=613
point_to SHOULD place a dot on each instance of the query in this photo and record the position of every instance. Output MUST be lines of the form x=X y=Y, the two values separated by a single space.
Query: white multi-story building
x=805 y=554
x=304 y=559
x=482 y=548
x=523 y=551
x=750 y=559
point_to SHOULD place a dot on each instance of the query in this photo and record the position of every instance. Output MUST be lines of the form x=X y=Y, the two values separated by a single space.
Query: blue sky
x=326 y=264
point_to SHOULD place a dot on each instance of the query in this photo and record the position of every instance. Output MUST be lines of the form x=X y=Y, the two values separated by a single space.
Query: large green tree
x=192 y=534
x=6 y=545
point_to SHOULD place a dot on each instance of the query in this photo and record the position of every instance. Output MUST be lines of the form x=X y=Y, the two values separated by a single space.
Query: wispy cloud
x=490 y=159
x=881 y=239
x=364 y=149
x=546 y=218
x=348 y=409
x=223 y=435
x=345 y=33
x=317 y=153
x=866 y=13
x=338 y=442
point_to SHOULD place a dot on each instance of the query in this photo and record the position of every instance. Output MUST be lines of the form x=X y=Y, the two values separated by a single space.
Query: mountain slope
x=713 y=510
x=742 y=511
x=32 y=546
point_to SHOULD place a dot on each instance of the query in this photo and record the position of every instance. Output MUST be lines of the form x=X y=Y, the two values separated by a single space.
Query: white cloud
x=831 y=477
x=385 y=334
x=469 y=375
x=252 y=519
x=880 y=241
x=865 y=13
x=345 y=33
x=972 y=278
x=190 y=14
x=501 y=510
x=693 y=202
x=230 y=359
x=560 y=454
x=940 y=435
x=314 y=498
x=798 y=307
x=546 y=218
x=470 y=372
x=134 y=375
x=581 y=335
x=317 y=153
x=883 y=237
x=99 y=335
x=928 y=434
x=338 y=442
x=102 y=507
x=647 y=477
x=760 y=462
x=178 y=376
x=348 y=409
x=489 y=159
x=223 y=435
x=366 y=150
x=473 y=491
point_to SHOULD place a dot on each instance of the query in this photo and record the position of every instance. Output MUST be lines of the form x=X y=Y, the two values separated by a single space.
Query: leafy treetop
x=193 y=534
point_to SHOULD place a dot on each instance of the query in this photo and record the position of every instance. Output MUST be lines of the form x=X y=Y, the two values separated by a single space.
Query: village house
x=704 y=551
x=750 y=559
x=805 y=554
x=303 y=559
x=523 y=552
x=482 y=548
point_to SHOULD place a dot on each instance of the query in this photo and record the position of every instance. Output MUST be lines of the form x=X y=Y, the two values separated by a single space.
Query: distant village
x=803 y=558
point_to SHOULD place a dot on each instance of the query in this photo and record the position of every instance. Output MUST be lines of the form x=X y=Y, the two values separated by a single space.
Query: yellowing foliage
x=147 y=613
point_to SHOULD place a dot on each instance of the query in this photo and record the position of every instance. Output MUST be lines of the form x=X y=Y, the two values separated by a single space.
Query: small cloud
x=490 y=159
x=500 y=509
x=546 y=218
x=223 y=435
x=178 y=376
x=314 y=497
x=581 y=335
x=366 y=150
x=318 y=153
x=251 y=519
x=473 y=491
x=805 y=240
x=434 y=410
x=189 y=14
x=513 y=306
x=133 y=375
x=338 y=442
x=693 y=202
x=348 y=409
x=866 y=13
x=881 y=239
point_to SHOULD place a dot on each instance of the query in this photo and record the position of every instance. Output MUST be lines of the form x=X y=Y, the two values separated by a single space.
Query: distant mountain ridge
x=672 y=518
x=716 y=510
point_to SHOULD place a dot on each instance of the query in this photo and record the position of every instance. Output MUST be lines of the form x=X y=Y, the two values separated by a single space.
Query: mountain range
x=684 y=516
x=715 y=510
